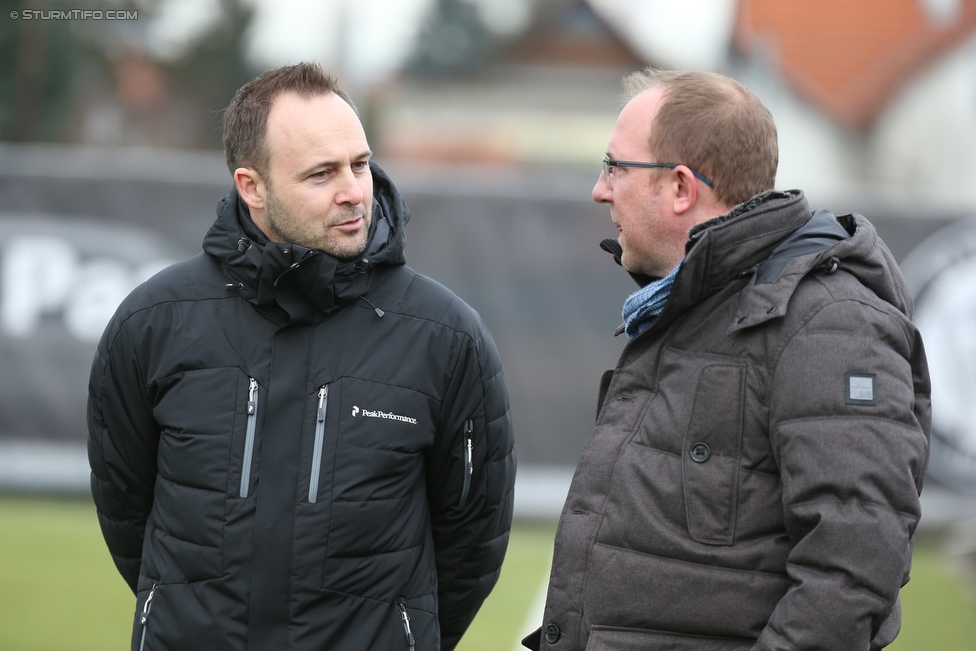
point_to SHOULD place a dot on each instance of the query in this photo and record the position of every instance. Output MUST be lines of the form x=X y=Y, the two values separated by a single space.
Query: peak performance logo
x=382 y=414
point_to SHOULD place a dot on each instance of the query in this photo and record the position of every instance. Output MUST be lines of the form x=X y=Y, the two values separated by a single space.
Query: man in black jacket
x=296 y=441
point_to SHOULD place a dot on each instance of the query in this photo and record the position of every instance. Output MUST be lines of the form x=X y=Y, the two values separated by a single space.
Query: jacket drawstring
x=378 y=311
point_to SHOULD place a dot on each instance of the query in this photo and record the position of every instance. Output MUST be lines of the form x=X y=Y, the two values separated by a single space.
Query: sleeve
x=471 y=492
x=849 y=426
x=122 y=442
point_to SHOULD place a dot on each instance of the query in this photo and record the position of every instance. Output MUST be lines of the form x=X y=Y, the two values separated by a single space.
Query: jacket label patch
x=860 y=389
x=368 y=413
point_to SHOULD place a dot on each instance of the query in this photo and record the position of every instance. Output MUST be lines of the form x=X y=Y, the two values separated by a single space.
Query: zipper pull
x=323 y=396
x=406 y=624
x=144 y=618
x=252 y=389
x=468 y=460
x=469 y=447
x=148 y=605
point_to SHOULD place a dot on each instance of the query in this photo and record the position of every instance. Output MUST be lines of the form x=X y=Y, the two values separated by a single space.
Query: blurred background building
x=492 y=117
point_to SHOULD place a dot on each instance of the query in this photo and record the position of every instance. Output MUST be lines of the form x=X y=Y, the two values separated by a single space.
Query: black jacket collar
x=289 y=277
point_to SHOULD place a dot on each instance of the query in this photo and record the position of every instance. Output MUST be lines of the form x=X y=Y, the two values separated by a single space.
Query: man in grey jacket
x=753 y=478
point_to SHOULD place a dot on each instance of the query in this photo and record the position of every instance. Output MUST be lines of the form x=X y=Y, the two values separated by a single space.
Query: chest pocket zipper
x=468 y=460
x=313 y=479
x=252 y=419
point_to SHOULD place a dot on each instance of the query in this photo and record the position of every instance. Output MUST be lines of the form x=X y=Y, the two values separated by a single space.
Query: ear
x=251 y=187
x=684 y=189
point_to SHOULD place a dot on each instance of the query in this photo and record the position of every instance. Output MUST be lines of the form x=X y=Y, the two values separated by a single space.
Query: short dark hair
x=246 y=117
x=714 y=125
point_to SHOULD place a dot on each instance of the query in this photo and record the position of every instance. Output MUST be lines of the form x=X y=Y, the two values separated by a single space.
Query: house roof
x=569 y=32
x=851 y=57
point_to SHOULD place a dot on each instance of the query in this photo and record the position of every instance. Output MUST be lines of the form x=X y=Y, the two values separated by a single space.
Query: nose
x=350 y=191
x=601 y=191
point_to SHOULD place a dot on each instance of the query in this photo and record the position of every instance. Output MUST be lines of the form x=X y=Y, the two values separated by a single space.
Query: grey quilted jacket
x=753 y=478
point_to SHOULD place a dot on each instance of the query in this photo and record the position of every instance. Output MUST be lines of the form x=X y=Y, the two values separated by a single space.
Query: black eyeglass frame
x=608 y=163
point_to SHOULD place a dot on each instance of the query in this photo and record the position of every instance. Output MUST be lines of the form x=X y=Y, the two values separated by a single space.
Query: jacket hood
x=775 y=239
x=269 y=273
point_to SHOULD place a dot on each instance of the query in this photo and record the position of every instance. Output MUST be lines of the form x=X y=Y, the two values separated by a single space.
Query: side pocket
x=144 y=617
x=252 y=419
x=405 y=619
x=612 y=638
x=711 y=454
x=468 y=460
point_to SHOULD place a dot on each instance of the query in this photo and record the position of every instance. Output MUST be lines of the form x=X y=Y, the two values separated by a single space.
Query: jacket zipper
x=406 y=624
x=313 y=479
x=252 y=418
x=468 y=459
x=144 y=618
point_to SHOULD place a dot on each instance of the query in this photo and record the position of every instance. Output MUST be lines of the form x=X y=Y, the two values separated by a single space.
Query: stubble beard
x=625 y=254
x=287 y=226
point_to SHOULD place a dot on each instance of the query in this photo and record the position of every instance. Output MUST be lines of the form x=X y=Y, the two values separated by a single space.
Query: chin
x=349 y=252
x=627 y=263
x=634 y=269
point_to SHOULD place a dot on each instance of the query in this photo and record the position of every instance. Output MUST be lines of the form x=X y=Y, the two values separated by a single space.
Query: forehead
x=633 y=128
x=323 y=125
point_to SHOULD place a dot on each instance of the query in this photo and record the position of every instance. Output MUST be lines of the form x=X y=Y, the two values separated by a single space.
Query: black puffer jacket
x=280 y=447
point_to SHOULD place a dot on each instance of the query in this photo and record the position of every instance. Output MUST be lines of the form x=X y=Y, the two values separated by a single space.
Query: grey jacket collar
x=771 y=241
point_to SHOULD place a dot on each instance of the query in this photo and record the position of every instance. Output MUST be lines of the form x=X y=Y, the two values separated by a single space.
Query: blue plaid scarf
x=644 y=305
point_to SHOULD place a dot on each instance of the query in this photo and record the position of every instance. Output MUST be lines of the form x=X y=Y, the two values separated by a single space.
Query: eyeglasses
x=608 y=166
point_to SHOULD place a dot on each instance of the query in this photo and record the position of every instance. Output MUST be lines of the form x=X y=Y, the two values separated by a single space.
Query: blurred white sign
x=942 y=275
x=74 y=271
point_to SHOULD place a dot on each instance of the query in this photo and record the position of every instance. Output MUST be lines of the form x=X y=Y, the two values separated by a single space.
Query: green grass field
x=59 y=589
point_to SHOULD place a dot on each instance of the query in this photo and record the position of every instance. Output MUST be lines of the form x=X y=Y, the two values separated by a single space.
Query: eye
x=359 y=166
